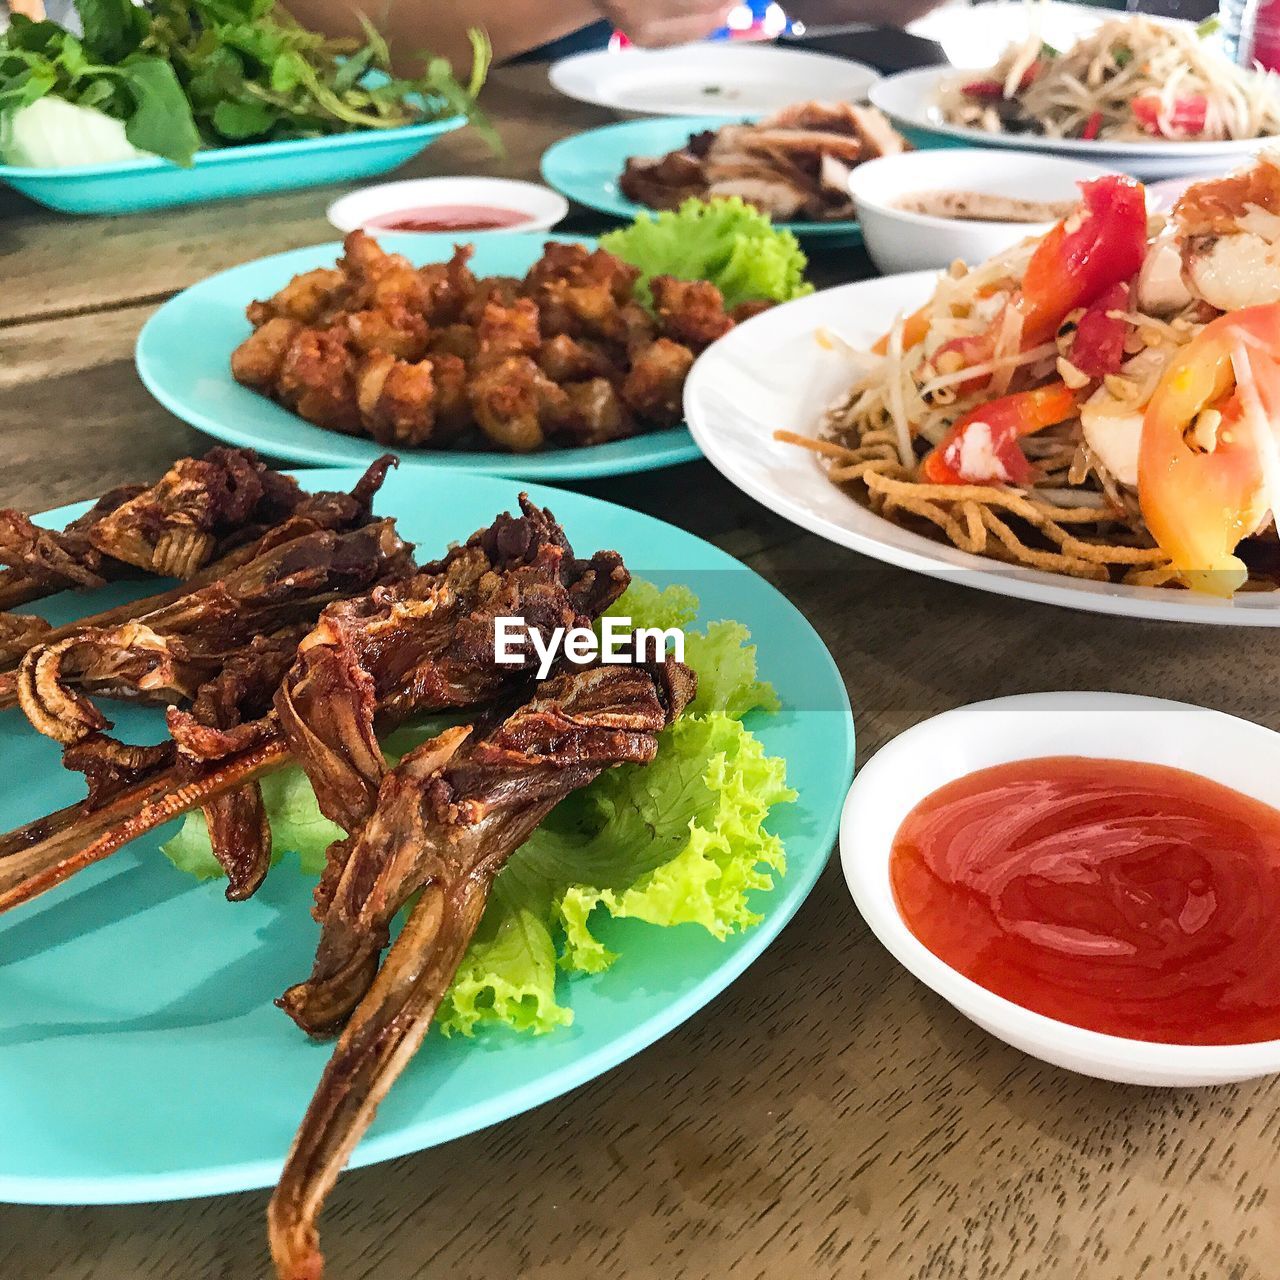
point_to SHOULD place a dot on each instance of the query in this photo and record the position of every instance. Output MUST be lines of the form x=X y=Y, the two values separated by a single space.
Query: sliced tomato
x=981 y=447
x=1098 y=346
x=1200 y=498
x=1187 y=116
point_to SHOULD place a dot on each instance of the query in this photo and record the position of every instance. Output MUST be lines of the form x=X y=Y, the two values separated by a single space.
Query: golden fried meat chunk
x=508 y=330
x=512 y=401
x=566 y=359
x=397 y=399
x=395 y=330
x=654 y=389
x=257 y=361
x=317 y=379
x=307 y=298
x=449 y=286
x=594 y=414
x=690 y=311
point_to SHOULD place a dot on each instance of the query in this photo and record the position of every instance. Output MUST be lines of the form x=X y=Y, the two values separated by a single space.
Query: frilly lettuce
x=724 y=240
x=680 y=841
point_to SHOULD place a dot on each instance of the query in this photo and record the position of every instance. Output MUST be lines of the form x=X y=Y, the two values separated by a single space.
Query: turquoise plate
x=586 y=166
x=129 y=186
x=184 y=358
x=141 y=1057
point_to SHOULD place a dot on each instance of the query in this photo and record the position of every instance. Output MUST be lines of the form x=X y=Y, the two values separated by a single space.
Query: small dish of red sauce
x=1129 y=898
x=449 y=217
x=1094 y=878
x=449 y=206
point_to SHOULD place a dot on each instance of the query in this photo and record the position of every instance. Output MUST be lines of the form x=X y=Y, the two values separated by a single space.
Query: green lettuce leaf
x=726 y=241
x=679 y=841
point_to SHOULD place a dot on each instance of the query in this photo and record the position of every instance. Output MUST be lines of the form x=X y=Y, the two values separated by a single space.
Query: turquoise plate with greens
x=141 y=1057
x=184 y=358
x=586 y=167
x=255 y=169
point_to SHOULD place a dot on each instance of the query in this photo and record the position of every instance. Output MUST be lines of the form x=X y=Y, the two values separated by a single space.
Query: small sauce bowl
x=899 y=240
x=1223 y=748
x=542 y=207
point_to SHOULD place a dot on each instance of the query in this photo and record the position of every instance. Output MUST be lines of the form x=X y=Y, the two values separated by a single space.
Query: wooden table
x=827 y=1116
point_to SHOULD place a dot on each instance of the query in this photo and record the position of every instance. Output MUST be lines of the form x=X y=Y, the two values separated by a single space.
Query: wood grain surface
x=827 y=1116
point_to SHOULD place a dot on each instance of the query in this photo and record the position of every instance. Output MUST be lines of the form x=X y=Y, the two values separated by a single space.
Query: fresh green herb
x=185 y=73
x=1122 y=55
x=711 y=90
x=1047 y=50
x=726 y=241
x=1210 y=26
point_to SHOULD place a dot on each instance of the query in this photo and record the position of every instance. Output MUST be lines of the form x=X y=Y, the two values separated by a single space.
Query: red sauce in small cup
x=449 y=217
x=1134 y=899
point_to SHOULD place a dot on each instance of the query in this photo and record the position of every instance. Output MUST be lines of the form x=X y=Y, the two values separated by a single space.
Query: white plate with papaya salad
x=1148 y=96
x=1090 y=419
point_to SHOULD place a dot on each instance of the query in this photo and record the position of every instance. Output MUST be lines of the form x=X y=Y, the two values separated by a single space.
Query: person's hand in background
x=661 y=22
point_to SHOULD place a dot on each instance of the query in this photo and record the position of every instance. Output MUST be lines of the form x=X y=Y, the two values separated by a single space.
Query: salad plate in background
x=188 y=100
x=157 y=1034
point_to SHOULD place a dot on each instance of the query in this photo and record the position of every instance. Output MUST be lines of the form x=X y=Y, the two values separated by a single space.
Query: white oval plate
x=909 y=99
x=770 y=374
x=710 y=79
x=1226 y=749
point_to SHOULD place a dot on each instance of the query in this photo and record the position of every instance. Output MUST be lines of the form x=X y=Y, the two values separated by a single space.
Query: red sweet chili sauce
x=1129 y=898
x=449 y=217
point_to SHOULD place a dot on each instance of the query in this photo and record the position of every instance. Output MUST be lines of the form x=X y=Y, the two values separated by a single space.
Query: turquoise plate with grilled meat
x=141 y=1057
x=586 y=168
x=184 y=358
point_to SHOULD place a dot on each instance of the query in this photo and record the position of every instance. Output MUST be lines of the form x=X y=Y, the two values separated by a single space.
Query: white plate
x=1117 y=726
x=710 y=79
x=909 y=99
x=542 y=207
x=770 y=374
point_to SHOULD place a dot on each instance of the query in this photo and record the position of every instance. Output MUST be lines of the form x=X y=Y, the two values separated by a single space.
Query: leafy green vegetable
x=185 y=73
x=680 y=841
x=1210 y=26
x=726 y=241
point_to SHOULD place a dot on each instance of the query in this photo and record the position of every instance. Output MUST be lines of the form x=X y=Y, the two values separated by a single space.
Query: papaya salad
x=1103 y=401
x=1134 y=79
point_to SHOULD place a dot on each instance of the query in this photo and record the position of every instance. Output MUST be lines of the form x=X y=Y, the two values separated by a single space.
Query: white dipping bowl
x=542 y=206
x=901 y=241
x=1228 y=750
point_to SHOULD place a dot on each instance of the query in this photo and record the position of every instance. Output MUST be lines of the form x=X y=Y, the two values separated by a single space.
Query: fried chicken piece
x=453 y=406
x=593 y=415
x=654 y=389
x=501 y=289
x=307 y=298
x=508 y=330
x=396 y=399
x=257 y=361
x=690 y=311
x=395 y=331
x=381 y=281
x=752 y=307
x=454 y=340
x=582 y=310
x=449 y=285
x=317 y=379
x=566 y=359
x=572 y=264
x=512 y=400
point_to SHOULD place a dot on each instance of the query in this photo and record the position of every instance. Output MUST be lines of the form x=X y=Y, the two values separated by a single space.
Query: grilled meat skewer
x=303 y=514
x=447 y=818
